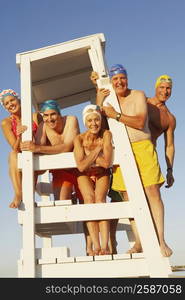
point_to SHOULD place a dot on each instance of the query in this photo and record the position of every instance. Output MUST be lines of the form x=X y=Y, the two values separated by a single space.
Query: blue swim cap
x=117 y=69
x=50 y=104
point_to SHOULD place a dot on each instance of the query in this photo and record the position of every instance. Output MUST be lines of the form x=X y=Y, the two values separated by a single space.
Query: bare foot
x=89 y=252
x=165 y=250
x=104 y=252
x=16 y=201
x=135 y=249
x=97 y=251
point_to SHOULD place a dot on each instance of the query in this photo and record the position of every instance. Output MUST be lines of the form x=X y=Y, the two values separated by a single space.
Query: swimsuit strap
x=14 y=125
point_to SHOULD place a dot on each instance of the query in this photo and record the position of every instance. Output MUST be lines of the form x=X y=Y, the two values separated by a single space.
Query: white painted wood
x=27 y=173
x=121 y=256
x=63 y=202
x=45 y=178
x=137 y=255
x=47 y=241
x=102 y=257
x=95 y=269
x=57 y=49
x=72 y=213
x=45 y=203
x=44 y=261
x=84 y=258
x=65 y=260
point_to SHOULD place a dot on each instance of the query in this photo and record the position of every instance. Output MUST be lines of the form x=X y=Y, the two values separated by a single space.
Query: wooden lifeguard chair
x=61 y=72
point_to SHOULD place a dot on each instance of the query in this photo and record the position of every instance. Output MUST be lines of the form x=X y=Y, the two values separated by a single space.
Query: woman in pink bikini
x=93 y=154
x=12 y=130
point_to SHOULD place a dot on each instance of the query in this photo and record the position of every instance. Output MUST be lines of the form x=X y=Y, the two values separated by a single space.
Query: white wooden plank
x=52 y=252
x=102 y=257
x=83 y=258
x=68 y=46
x=45 y=203
x=54 y=161
x=100 y=211
x=137 y=255
x=95 y=269
x=121 y=256
x=65 y=260
x=42 y=261
x=63 y=202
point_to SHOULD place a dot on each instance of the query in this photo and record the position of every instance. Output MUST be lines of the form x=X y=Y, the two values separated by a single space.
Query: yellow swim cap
x=163 y=78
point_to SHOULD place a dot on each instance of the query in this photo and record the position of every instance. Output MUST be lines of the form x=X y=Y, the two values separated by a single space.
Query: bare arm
x=62 y=145
x=170 y=151
x=138 y=120
x=9 y=136
x=105 y=160
x=84 y=161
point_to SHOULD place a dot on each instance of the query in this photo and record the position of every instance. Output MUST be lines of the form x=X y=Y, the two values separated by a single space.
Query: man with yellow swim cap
x=162 y=121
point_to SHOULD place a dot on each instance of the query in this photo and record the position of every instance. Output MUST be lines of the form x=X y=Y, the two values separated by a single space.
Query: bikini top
x=14 y=126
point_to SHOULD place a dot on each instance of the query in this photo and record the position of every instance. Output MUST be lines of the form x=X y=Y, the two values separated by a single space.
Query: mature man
x=162 y=121
x=134 y=115
x=56 y=135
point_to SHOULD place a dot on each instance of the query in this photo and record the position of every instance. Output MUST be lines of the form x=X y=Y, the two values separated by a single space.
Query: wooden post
x=27 y=172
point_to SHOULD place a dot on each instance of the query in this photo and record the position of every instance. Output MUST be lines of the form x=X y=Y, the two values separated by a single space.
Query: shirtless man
x=162 y=121
x=56 y=134
x=134 y=115
x=93 y=155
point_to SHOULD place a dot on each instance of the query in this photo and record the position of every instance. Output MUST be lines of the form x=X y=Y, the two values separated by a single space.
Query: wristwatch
x=118 y=116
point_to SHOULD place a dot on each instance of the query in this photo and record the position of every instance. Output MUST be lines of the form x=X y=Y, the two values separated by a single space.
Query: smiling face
x=51 y=118
x=12 y=104
x=120 y=84
x=93 y=122
x=163 y=91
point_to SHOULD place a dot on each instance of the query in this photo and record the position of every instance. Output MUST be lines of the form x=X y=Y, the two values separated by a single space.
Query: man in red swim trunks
x=56 y=135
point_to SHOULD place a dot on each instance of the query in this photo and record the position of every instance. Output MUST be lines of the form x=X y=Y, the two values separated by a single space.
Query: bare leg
x=16 y=178
x=157 y=210
x=101 y=190
x=137 y=248
x=92 y=226
x=113 y=242
x=88 y=240
x=66 y=191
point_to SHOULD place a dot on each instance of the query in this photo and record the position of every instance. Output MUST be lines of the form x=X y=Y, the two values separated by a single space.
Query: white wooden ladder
x=48 y=217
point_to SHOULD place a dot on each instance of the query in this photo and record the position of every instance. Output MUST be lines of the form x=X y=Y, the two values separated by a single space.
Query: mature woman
x=12 y=130
x=93 y=154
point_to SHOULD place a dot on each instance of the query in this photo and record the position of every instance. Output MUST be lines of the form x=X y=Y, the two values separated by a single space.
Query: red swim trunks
x=68 y=178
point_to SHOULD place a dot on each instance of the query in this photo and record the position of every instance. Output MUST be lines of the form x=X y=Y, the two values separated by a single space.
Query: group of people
x=145 y=119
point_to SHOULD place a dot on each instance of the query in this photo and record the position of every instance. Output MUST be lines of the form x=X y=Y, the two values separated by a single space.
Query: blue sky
x=147 y=37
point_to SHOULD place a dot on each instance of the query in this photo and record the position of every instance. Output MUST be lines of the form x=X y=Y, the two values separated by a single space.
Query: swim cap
x=163 y=78
x=50 y=104
x=117 y=69
x=89 y=109
x=8 y=92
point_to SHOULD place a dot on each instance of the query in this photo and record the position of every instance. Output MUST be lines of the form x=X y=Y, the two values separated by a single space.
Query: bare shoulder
x=71 y=118
x=5 y=122
x=138 y=97
x=107 y=133
x=79 y=138
x=138 y=93
x=172 y=121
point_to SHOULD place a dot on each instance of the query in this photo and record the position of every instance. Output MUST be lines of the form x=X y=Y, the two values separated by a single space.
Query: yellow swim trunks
x=147 y=163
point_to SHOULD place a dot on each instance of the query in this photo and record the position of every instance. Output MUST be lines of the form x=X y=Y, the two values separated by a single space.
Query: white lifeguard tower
x=61 y=72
